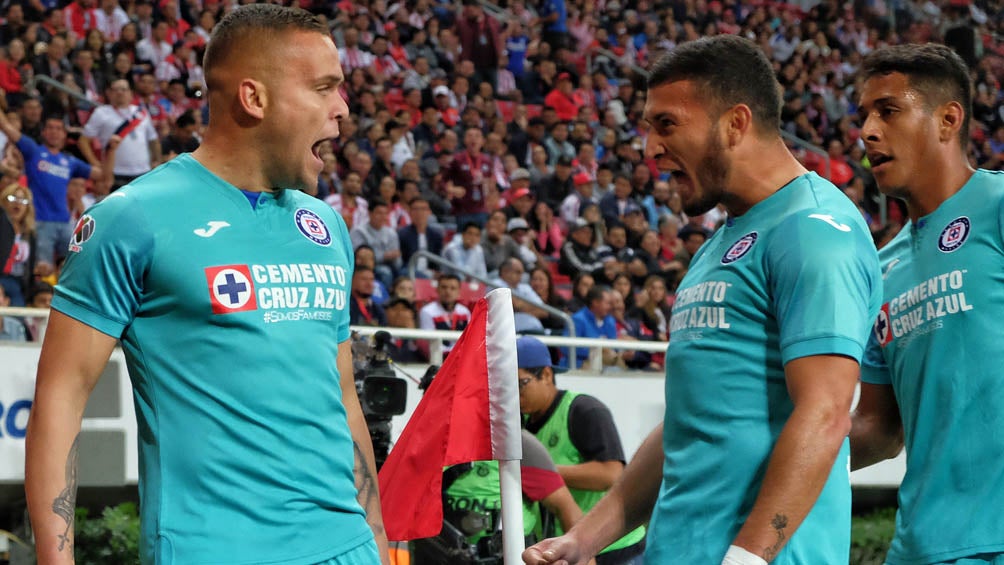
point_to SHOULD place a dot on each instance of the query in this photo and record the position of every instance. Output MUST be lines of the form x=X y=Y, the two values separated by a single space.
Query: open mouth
x=878 y=159
x=315 y=149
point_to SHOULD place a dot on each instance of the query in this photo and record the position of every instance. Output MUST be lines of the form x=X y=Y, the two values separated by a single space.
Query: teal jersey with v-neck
x=230 y=316
x=937 y=342
x=795 y=276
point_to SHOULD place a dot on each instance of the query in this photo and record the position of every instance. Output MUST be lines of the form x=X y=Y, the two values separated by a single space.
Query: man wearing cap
x=578 y=254
x=565 y=101
x=579 y=433
x=555 y=187
x=573 y=204
x=519 y=196
x=519 y=231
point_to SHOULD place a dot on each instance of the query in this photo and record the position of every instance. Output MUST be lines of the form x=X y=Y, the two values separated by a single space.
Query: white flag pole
x=503 y=394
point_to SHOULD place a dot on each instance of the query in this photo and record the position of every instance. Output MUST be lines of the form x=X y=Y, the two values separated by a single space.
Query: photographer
x=472 y=508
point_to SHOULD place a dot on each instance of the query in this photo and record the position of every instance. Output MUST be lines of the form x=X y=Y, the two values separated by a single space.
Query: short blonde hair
x=28 y=222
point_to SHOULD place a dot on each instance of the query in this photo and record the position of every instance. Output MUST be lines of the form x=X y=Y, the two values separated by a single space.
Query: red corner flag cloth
x=469 y=413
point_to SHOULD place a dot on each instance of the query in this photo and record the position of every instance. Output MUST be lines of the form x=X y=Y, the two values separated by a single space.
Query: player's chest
x=271 y=267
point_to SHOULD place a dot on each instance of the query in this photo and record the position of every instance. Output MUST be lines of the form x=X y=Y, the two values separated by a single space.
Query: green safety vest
x=478 y=491
x=555 y=437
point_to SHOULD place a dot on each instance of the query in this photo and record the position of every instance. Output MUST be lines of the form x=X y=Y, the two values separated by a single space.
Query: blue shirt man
x=593 y=321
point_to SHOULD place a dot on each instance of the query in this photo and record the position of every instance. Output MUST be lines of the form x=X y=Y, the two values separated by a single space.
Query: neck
x=947 y=176
x=551 y=395
x=448 y=306
x=230 y=159
x=747 y=173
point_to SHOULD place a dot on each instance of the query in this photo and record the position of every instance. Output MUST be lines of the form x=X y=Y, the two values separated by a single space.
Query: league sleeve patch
x=312 y=227
x=82 y=232
x=231 y=289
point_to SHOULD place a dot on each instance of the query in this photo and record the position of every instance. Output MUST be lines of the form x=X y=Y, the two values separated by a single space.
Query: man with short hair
x=465 y=251
x=468 y=180
x=497 y=244
x=383 y=239
x=11 y=328
x=213 y=272
x=139 y=150
x=525 y=301
x=420 y=236
x=363 y=310
x=445 y=313
x=579 y=433
x=767 y=333
x=594 y=321
x=931 y=374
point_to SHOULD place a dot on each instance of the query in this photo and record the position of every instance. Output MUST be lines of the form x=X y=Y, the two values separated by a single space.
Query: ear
x=950 y=117
x=738 y=123
x=252 y=98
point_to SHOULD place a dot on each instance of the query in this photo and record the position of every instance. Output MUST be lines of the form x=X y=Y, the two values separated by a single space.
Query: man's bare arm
x=821 y=388
x=626 y=506
x=364 y=467
x=591 y=475
x=73 y=357
x=876 y=426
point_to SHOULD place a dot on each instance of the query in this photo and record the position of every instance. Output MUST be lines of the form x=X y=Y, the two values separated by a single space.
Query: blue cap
x=531 y=353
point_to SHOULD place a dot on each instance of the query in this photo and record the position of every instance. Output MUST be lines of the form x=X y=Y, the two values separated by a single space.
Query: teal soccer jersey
x=937 y=342
x=795 y=276
x=230 y=316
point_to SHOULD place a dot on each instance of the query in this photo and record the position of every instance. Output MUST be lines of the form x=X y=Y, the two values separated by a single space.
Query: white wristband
x=739 y=556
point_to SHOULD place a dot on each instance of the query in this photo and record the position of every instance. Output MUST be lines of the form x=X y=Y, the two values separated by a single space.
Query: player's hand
x=556 y=551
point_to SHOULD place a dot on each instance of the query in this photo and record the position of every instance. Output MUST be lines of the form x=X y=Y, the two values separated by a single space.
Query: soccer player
x=768 y=329
x=932 y=371
x=228 y=289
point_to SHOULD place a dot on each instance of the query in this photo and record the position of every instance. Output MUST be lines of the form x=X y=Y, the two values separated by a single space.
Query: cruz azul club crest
x=739 y=248
x=954 y=235
x=312 y=227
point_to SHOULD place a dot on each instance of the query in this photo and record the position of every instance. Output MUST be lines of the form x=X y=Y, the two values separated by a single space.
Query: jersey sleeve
x=27 y=146
x=824 y=279
x=102 y=282
x=79 y=169
x=350 y=259
x=592 y=431
x=873 y=367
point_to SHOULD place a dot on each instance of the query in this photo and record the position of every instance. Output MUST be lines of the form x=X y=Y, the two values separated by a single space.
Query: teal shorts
x=362 y=554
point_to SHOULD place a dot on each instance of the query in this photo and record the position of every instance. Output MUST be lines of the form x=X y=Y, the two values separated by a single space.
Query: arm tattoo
x=65 y=504
x=779 y=523
x=366 y=487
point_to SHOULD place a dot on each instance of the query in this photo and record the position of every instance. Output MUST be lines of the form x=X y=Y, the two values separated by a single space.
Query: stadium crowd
x=506 y=139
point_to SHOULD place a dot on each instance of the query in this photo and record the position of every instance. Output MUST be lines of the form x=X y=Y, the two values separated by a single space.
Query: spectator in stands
x=565 y=101
x=401 y=314
x=53 y=61
x=365 y=257
x=13 y=68
x=519 y=231
x=526 y=303
x=49 y=171
x=631 y=329
x=519 y=196
x=420 y=236
x=615 y=204
x=468 y=180
x=557 y=144
x=154 y=48
x=574 y=202
x=363 y=311
x=11 y=328
x=578 y=254
x=183 y=138
x=41 y=297
x=445 y=313
x=496 y=243
x=546 y=230
x=139 y=150
x=350 y=203
x=693 y=237
x=382 y=239
x=16 y=270
x=30 y=113
x=465 y=251
x=542 y=283
x=403 y=287
x=481 y=41
x=656 y=204
x=594 y=321
x=554 y=188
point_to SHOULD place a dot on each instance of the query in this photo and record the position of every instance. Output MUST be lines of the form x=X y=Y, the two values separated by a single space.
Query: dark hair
x=727 y=70
x=377 y=202
x=469 y=225
x=595 y=293
x=550 y=282
x=253 y=22
x=936 y=72
x=448 y=277
x=186 y=119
